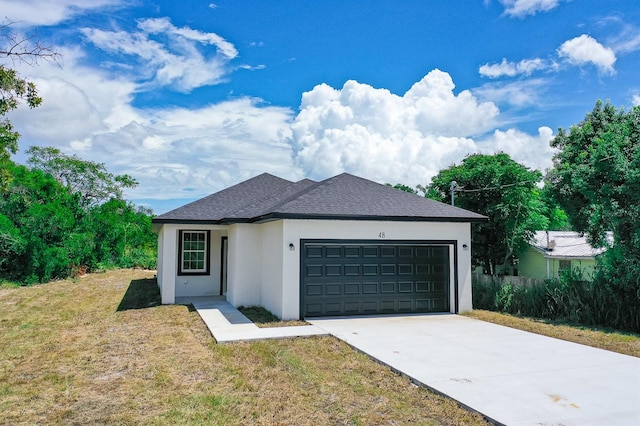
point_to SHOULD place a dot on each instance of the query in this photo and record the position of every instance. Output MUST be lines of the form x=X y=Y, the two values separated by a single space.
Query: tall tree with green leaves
x=15 y=47
x=596 y=180
x=503 y=190
x=90 y=181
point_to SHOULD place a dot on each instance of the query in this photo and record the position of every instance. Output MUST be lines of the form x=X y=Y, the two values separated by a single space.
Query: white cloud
x=173 y=58
x=389 y=138
x=521 y=8
x=512 y=69
x=33 y=12
x=173 y=152
x=584 y=50
x=177 y=153
x=531 y=151
x=519 y=93
x=635 y=98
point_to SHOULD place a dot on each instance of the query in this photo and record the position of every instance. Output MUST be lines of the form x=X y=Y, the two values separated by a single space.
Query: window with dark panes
x=564 y=265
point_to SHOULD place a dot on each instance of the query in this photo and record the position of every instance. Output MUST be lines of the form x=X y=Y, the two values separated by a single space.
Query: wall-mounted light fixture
x=292 y=247
x=465 y=247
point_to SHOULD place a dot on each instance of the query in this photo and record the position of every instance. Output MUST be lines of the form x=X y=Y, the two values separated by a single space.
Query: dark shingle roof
x=341 y=197
x=216 y=207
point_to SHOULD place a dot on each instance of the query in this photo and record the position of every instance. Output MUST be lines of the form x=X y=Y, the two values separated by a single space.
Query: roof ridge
x=295 y=195
x=258 y=203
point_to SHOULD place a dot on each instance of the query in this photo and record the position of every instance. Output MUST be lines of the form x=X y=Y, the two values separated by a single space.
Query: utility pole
x=454 y=184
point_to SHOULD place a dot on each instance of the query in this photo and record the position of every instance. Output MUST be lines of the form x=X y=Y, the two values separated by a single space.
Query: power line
x=492 y=188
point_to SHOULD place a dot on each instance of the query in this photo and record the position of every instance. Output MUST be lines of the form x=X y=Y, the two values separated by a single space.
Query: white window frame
x=182 y=251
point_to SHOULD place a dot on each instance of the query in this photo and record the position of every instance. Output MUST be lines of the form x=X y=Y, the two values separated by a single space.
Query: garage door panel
x=405 y=252
x=313 y=270
x=352 y=288
x=333 y=251
x=369 y=269
x=313 y=252
x=399 y=278
x=351 y=307
x=405 y=269
x=388 y=251
x=405 y=287
x=387 y=306
x=333 y=289
x=388 y=287
x=314 y=289
x=438 y=304
x=370 y=251
x=405 y=305
x=352 y=251
x=314 y=309
x=352 y=270
x=333 y=270
x=423 y=304
x=370 y=288
x=333 y=308
x=388 y=269
x=422 y=287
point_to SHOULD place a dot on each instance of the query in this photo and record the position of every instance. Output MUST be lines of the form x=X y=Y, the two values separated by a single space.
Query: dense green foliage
x=47 y=230
x=570 y=298
x=596 y=180
x=506 y=192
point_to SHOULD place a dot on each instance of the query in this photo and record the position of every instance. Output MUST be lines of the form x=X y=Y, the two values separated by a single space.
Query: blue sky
x=190 y=97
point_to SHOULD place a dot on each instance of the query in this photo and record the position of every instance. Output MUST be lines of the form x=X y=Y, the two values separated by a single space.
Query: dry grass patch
x=101 y=350
x=265 y=319
x=621 y=342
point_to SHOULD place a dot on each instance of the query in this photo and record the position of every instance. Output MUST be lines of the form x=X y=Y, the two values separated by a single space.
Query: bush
x=570 y=298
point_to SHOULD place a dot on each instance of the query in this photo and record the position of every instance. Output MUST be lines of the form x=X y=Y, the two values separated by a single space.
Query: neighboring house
x=552 y=252
x=342 y=246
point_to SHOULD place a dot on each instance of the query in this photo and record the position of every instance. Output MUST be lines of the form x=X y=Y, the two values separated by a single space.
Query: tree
x=46 y=232
x=596 y=180
x=15 y=89
x=503 y=190
x=90 y=181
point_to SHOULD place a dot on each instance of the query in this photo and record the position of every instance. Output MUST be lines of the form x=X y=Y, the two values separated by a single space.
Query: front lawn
x=101 y=350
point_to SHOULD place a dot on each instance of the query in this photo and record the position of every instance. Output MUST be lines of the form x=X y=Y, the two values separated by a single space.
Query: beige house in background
x=552 y=252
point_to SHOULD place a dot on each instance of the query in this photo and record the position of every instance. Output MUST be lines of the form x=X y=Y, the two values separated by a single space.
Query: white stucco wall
x=172 y=284
x=263 y=271
x=244 y=276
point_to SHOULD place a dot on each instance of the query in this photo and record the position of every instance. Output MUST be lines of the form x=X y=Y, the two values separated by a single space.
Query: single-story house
x=552 y=252
x=342 y=246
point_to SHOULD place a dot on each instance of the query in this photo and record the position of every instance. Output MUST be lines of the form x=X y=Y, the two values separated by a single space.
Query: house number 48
x=381 y=235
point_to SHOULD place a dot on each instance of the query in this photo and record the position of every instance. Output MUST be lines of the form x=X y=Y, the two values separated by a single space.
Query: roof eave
x=186 y=221
x=274 y=216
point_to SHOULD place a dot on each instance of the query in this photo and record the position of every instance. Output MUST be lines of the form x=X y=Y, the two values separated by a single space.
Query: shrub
x=571 y=298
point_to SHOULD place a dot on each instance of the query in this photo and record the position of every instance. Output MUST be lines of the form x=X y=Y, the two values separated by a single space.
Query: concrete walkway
x=511 y=376
x=227 y=324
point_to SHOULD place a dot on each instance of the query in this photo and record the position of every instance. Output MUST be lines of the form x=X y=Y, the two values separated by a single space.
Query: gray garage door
x=348 y=278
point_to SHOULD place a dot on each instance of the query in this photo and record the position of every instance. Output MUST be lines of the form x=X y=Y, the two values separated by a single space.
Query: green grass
x=611 y=340
x=101 y=350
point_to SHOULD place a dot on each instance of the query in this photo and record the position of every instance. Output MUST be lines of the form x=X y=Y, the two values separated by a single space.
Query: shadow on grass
x=140 y=294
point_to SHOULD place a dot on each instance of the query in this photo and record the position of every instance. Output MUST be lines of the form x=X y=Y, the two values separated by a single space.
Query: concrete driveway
x=511 y=376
